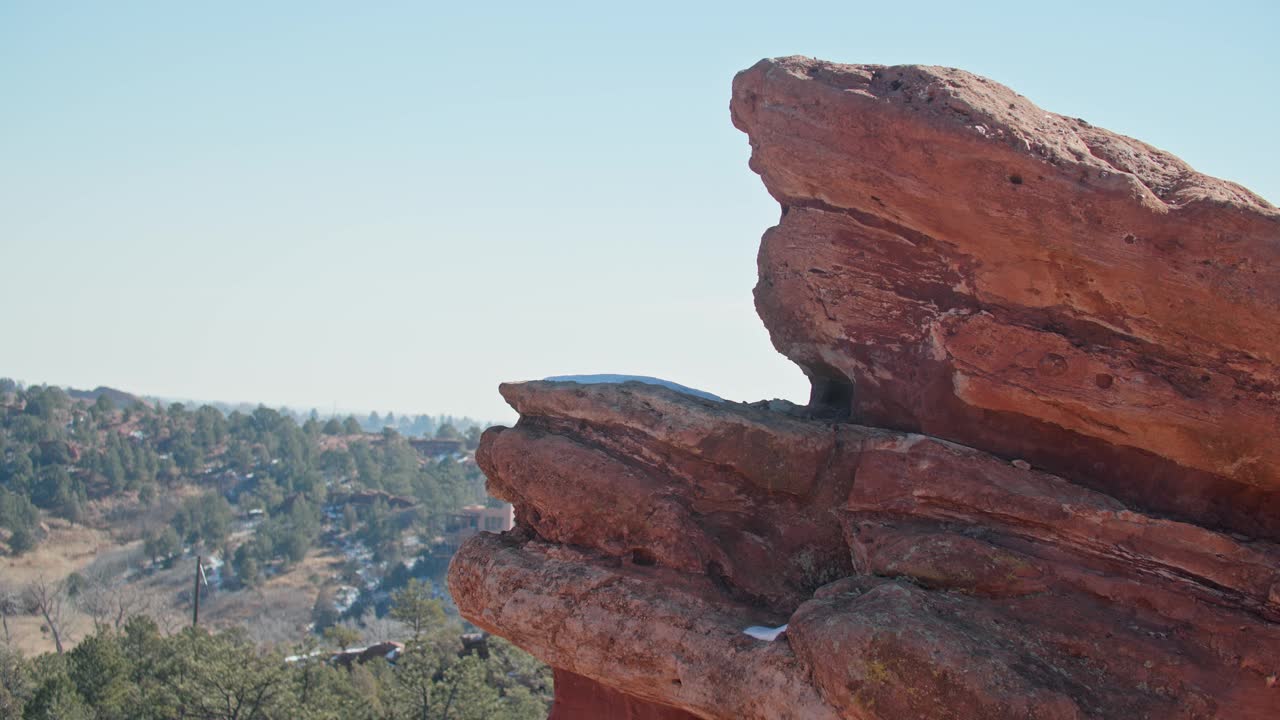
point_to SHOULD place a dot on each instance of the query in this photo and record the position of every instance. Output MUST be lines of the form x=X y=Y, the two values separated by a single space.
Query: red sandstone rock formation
x=954 y=260
x=1038 y=477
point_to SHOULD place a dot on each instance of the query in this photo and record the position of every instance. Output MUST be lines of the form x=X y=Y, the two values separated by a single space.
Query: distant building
x=368 y=497
x=489 y=519
x=389 y=651
x=436 y=447
x=473 y=519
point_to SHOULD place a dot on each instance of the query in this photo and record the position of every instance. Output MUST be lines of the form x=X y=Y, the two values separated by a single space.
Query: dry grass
x=67 y=549
x=276 y=612
x=279 y=610
x=30 y=639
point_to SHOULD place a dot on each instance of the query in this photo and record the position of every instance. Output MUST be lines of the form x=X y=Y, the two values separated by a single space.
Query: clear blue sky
x=395 y=206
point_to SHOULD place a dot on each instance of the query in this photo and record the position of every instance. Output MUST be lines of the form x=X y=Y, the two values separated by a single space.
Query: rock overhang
x=1014 y=493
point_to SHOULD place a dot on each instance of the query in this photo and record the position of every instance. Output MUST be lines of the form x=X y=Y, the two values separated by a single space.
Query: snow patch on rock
x=608 y=378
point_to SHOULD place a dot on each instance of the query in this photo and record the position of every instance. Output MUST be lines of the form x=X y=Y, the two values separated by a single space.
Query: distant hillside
x=119 y=398
x=77 y=454
x=410 y=424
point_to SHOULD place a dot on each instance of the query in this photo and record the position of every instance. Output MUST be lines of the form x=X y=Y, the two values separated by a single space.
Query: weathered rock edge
x=956 y=261
x=941 y=577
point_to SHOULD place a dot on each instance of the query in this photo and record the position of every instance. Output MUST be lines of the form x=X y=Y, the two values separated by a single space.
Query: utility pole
x=195 y=612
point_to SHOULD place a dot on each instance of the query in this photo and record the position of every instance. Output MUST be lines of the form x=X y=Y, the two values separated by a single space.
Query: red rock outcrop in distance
x=1037 y=477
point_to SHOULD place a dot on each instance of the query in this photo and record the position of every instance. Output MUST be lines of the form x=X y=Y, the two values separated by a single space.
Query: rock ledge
x=1038 y=477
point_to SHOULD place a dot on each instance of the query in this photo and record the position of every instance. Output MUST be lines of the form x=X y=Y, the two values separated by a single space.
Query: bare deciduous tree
x=10 y=604
x=110 y=602
x=47 y=598
x=376 y=629
x=169 y=620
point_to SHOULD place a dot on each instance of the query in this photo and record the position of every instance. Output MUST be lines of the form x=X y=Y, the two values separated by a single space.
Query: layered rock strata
x=1014 y=493
x=954 y=260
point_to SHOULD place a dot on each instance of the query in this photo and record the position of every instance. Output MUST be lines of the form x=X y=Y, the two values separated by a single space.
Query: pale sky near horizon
x=395 y=206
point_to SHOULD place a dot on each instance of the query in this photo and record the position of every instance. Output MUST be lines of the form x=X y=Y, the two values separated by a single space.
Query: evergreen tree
x=100 y=671
x=56 y=696
x=414 y=606
x=162 y=545
x=473 y=437
x=104 y=404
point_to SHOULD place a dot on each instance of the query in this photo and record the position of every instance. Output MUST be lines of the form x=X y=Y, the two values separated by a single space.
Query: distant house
x=389 y=651
x=473 y=519
x=437 y=447
x=368 y=497
x=489 y=519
